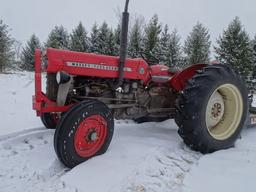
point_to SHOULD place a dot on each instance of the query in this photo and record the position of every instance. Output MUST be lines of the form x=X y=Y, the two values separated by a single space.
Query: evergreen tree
x=164 y=46
x=152 y=39
x=170 y=47
x=58 y=38
x=104 y=33
x=197 y=45
x=175 y=49
x=254 y=56
x=110 y=48
x=28 y=53
x=94 y=40
x=254 y=49
x=101 y=38
x=136 y=37
x=79 y=40
x=234 y=48
x=6 y=43
x=117 y=36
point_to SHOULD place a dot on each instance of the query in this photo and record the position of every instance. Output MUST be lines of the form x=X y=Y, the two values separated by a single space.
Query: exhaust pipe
x=123 y=44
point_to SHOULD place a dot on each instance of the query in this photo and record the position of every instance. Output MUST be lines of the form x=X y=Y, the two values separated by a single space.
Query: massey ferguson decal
x=97 y=66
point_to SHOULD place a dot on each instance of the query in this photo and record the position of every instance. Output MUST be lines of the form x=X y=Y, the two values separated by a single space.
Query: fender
x=179 y=80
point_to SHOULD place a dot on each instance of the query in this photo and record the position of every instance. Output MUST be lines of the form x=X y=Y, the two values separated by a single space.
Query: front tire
x=212 y=109
x=50 y=120
x=85 y=131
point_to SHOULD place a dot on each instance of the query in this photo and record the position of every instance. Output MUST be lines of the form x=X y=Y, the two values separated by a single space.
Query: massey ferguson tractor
x=85 y=92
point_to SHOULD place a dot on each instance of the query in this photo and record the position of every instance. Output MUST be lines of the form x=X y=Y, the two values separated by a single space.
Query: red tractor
x=85 y=92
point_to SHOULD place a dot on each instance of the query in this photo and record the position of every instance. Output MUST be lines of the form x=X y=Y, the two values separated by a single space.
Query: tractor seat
x=160 y=79
x=174 y=70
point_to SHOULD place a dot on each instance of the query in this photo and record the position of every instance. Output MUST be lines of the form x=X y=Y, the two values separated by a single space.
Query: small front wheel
x=84 y=132
x=50 y=120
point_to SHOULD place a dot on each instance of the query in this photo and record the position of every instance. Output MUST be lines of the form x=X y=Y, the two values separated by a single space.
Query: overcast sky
x=33 y=16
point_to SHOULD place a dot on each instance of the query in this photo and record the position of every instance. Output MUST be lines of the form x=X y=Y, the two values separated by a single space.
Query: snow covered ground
x=141 y=158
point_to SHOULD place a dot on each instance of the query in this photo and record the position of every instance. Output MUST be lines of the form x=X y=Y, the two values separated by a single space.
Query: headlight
x=62 y=77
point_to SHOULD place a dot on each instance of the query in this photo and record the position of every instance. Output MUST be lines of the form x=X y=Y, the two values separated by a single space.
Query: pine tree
x=152 y=39
x=117 y=36
x=170 y=47
x=100 y=39
x=136 y=37
x=254 y=57
x=103 y=38
x=58 y=38
x=28 y=53
x=164 y=46
x=6 y=43
x=176 y=58
x=197 y=45
x=79 y=40
x=234 y=48
x=110 y=48
x=94 y=40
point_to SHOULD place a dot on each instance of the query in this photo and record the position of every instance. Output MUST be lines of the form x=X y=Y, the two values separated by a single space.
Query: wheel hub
x=224 y=111
x=215 y=110
x=90 y=135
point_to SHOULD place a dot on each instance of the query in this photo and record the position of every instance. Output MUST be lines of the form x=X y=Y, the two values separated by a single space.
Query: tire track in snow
x=23 y=141
x=142 y=158
x=28 y=162
x=164 y=169
x=21 y=133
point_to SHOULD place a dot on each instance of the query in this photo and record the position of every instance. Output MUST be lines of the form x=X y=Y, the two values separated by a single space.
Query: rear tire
x=85 y=131
x=212 y=109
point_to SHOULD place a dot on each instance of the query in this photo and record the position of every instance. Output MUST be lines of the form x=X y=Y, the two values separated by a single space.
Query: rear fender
x=179 y=80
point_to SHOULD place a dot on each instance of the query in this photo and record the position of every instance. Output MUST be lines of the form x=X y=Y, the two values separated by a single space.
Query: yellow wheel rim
x=224 y=112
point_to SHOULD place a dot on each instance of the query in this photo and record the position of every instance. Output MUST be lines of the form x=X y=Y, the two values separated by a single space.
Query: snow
x=148 y=156
x=229 y=170
x=141 y=158
x=15 y=112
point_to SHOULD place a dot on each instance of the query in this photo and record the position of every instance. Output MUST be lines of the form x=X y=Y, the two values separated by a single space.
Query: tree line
x=153 y=41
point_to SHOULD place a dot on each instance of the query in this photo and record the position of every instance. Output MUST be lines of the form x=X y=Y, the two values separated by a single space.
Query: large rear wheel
x=212 y=109
x=84 y=132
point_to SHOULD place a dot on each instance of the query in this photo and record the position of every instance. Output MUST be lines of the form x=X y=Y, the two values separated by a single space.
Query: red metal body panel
x=90 y=64
x=178 y=81
x=159 y=70
x=38 y=83
x=40 y=102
